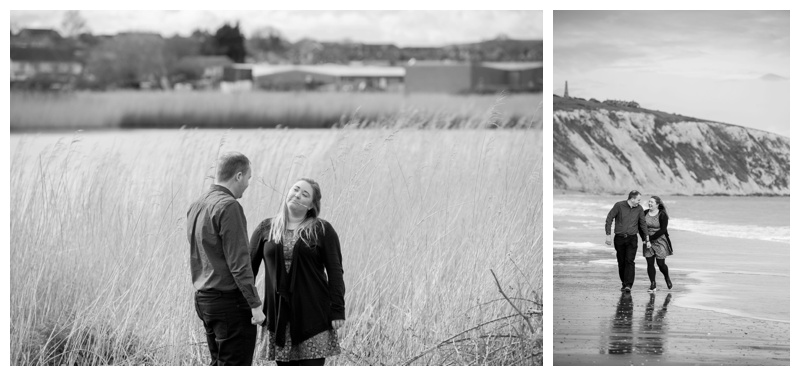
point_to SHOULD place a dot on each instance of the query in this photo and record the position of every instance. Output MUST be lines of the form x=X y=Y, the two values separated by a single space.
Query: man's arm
x=643 y=226
x=610 y=217
x=256 y=249
x=233 y=231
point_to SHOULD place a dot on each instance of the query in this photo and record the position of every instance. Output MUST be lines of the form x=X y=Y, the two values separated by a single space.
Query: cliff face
x=598 y=148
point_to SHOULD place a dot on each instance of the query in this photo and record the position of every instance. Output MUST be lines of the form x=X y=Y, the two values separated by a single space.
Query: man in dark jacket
x=226 y=299
x=629 y=221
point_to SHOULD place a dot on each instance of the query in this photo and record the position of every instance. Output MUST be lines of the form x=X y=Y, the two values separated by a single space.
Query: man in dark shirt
x=629 y=220
x=226 y=299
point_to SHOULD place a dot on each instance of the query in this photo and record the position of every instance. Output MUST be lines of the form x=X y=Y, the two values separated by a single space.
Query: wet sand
x=594 y=323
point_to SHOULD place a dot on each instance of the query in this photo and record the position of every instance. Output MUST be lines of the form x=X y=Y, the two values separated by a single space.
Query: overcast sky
x=403 y=28
x=726 y=66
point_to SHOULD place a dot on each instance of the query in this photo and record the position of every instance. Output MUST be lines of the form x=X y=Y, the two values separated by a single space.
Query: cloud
x=673 y=42
x=729 y=66
x=773 y=77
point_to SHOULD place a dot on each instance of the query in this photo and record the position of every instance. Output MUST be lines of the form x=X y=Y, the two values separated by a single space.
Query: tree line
x=127 y=59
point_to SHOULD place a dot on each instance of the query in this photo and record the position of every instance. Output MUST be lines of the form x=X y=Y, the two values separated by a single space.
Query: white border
x=547 y=6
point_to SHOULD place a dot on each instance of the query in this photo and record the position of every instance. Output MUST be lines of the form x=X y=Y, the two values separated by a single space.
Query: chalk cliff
x=602 y=148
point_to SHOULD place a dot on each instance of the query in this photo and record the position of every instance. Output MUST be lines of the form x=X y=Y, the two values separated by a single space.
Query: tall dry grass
x=131 y=109
x=99 y=257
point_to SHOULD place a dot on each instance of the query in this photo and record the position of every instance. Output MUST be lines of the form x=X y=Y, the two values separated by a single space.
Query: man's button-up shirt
x=218 y=250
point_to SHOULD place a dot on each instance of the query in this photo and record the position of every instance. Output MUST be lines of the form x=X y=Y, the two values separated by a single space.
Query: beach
x=729 y=304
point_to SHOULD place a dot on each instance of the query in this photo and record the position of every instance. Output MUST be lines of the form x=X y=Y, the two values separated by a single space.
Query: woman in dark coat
x=660 y=247
x=304 y=284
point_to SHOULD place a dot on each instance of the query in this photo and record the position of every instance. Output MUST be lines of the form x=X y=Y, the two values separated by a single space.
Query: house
x=465 y=77
x=330 y=77
x=36 y=38
x=43 y=59
x=44 y=68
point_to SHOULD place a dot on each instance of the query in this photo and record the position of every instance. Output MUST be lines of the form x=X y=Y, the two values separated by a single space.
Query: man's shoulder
x=217 y=201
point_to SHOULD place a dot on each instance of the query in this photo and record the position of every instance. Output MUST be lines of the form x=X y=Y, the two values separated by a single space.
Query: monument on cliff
x=566 y=89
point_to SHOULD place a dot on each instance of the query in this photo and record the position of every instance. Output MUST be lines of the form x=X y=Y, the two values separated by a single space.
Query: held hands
x=336 y=324
x=608 y=239
x=258 y=315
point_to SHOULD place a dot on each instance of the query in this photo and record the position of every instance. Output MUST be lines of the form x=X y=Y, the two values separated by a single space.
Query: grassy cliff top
x=661 y=117
x=568 y=104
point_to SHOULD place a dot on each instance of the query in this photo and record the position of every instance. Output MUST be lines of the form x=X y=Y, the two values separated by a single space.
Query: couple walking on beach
x=304 y=285
x=651 y=225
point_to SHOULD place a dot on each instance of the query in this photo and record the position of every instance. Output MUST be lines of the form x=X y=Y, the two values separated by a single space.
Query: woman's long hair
x=307 y=230
x=660 y=204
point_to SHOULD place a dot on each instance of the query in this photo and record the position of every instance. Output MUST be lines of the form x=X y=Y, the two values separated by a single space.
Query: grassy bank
x=100 y=265
x=172 y=110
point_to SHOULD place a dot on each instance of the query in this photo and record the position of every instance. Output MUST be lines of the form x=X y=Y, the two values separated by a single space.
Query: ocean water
x=735 y=250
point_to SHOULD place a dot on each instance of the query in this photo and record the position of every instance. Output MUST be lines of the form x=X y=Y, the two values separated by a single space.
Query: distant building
x=461 y=77
x=203 y=71
x=44 y=68
x=43 y=59
x=238 y=72
x=423 y=76
x=36 y=38
x=328 y=77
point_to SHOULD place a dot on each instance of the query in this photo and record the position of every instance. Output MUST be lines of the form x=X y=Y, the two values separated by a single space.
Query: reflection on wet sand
x=621 y=339
x=653 y=329
x=651 y=334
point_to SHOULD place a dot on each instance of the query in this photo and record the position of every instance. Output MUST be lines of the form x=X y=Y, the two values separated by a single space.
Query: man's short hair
x=633 y=194
x=231 y=163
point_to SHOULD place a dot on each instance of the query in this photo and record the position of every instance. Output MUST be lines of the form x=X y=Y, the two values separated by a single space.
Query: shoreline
x=694 y=291
x=596 y=324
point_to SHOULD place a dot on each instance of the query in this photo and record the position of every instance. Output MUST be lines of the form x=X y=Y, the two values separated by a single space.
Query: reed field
x=441 y=235
x=33 y=111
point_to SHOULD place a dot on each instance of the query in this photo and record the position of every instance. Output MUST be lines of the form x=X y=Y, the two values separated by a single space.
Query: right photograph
x=671 y=188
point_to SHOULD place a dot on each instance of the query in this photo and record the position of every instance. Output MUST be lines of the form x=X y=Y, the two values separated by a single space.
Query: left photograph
x=314 y=188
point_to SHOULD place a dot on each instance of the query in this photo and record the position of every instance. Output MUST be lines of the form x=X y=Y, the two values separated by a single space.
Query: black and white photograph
x=671 y=188
x=322 y=188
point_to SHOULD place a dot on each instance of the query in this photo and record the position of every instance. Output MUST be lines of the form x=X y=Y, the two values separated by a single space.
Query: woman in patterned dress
x=660 y=246
x=304 y=284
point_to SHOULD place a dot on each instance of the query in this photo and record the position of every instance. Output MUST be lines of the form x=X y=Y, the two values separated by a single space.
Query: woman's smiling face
x=300 y=196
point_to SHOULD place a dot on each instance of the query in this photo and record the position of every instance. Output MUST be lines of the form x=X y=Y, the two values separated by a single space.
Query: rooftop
x=326 y=69
x=513 y=65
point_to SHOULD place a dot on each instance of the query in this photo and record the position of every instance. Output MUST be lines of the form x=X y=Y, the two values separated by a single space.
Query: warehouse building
x=326 y=77
x=467 y=77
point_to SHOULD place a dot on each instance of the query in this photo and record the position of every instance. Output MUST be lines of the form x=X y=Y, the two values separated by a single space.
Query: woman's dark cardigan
x=663 y=221
x=304 y=296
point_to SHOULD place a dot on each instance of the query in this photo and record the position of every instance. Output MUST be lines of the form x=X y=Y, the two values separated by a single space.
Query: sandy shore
x=596 y=324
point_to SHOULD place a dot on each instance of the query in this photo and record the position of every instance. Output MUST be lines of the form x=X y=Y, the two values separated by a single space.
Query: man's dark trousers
x=626 y=247
x=230 y=335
